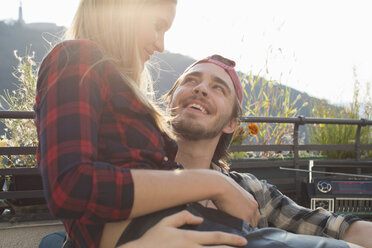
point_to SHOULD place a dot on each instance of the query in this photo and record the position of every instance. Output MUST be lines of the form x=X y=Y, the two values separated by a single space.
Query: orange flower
x=253 y=128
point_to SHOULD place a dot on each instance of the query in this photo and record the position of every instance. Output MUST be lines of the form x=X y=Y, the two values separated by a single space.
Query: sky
x=313 y=46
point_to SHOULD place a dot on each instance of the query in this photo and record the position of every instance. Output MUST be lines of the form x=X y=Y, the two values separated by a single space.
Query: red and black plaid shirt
x=92 y=131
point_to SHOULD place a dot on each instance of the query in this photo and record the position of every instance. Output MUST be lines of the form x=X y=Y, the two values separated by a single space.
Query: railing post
x=357 y=143
x=296 y=158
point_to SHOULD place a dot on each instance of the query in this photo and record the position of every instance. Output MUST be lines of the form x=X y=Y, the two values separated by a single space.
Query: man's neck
x=196 y=154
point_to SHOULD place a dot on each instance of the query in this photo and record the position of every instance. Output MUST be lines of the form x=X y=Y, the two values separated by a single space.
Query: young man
x=205 y=101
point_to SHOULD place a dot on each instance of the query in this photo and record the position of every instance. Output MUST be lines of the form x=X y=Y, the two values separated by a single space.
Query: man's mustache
x=185 y=101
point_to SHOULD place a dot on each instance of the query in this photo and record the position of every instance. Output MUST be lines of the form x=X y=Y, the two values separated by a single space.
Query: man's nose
x=201 y=89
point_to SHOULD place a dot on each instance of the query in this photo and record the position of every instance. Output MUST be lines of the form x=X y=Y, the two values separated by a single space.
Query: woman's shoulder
x=76 y=44
x=71 y=59
x=72 y=55
x=76 y=49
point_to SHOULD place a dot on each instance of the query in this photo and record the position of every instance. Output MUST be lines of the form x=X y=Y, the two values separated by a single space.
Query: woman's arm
x=360 y=233
x=156 y=190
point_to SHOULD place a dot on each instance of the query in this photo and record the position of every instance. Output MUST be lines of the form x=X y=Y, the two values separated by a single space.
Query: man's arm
x=280 y=211
x=359 y=232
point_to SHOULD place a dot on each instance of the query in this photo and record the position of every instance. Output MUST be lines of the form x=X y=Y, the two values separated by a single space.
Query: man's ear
x=230 y=126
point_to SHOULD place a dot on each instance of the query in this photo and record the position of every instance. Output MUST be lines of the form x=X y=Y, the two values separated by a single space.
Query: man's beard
x=189 y=130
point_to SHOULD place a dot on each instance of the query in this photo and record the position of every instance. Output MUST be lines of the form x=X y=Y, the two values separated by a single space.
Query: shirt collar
x=219 y=167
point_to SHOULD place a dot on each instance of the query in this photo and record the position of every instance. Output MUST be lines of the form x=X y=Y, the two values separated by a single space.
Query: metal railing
x=9 y=151
x=294 y=148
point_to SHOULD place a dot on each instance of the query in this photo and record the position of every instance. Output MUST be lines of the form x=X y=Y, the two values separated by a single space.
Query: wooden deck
x=26 y=234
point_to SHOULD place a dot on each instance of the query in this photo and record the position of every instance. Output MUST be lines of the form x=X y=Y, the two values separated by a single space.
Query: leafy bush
x=21 y=132
x=344 y=134
x=268 y=98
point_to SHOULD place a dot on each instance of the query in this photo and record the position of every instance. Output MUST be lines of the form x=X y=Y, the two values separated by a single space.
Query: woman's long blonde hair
x=111 y=24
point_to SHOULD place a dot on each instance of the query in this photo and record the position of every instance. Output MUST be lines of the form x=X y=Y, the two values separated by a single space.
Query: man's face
x=203 y=103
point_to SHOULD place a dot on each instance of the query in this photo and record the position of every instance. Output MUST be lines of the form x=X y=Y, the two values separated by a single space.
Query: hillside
x=19 y=37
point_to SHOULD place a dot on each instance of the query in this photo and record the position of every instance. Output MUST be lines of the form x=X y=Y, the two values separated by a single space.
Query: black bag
x=215 y=220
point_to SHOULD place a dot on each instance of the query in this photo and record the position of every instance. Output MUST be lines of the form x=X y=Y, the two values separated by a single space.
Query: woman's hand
x=238 y=202
x=166 y=234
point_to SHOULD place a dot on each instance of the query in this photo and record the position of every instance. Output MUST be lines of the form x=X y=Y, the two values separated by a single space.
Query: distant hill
x=172 y=65
x=19 y=37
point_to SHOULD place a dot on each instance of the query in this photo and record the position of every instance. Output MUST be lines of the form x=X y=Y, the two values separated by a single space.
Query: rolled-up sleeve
x=278 y=210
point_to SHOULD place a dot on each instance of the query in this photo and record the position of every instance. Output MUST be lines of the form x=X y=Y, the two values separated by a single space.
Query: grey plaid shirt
x=278 y=210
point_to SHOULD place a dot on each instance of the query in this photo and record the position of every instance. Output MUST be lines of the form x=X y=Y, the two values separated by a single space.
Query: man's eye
x=189 y=80
x=217 y=87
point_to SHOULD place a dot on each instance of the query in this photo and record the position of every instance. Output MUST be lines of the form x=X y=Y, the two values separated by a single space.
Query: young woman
x=105 y=151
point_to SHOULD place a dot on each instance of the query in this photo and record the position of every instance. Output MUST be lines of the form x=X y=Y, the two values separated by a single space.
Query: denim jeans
x=53 y=240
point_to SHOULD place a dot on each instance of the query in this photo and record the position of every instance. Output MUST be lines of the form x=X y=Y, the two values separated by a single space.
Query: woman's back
x=92 y=129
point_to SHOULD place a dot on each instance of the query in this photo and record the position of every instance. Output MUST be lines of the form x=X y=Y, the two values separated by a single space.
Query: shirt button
x=165 y=158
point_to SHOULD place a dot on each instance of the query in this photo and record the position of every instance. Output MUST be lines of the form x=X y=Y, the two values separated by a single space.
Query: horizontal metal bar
x=246 y=148
x=21 y=194
x=238 y=164
x=266 y=163
x=17 y=114
x=348 y=162
x=23 y=150
x=305 y=120
x=299 y=120
x=334 y=147
x=326 y=173
x=252 y=163
x=20 y=171
x=366 y=147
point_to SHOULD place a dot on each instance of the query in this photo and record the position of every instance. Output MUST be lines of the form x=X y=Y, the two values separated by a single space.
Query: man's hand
x=239 y=203
x=166 y=234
